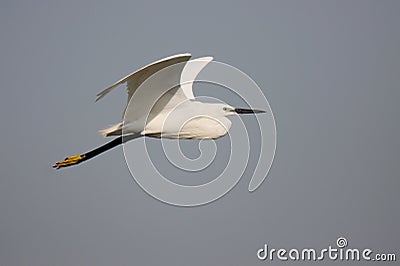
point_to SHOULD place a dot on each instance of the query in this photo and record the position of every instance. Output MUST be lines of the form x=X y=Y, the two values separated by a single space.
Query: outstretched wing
x=172 y=85
x=135 y=79
x=157 y=88
x=163 y=91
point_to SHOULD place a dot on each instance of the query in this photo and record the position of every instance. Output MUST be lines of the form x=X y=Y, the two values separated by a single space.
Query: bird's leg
x=76 y=159
x=70 y=160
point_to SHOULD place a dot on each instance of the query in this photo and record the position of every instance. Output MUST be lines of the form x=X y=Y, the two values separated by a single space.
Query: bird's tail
x=115 y=130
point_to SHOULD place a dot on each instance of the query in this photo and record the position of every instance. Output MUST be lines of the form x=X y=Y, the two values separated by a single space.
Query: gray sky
x=330 y=70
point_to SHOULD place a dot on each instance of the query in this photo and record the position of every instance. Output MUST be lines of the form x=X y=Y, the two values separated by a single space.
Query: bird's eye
x=225 y=108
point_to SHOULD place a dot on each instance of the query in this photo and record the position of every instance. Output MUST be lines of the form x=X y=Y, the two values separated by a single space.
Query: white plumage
x=191 y=119
x=161 y=104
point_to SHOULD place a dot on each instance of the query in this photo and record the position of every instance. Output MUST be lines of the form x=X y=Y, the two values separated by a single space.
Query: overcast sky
x=330 y=70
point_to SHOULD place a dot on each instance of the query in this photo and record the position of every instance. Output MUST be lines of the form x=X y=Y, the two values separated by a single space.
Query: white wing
x=157 y=87
x=177 y=92
x=135 y=79
x=190 y=72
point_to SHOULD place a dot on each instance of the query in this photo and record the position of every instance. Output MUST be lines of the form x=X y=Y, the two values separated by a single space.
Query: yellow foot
x=70 y=160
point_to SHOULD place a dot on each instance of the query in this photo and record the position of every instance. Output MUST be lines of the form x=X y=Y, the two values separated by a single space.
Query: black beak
x=248 y=111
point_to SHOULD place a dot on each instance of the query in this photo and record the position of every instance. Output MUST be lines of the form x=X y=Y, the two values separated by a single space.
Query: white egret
x=190 y=119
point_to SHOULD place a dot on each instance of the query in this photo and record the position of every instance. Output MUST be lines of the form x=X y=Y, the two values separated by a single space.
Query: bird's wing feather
x=158 y=92
x=135 y=79
x=163 y=91
x=190 y=72
x=157 y=88
x=184 y=91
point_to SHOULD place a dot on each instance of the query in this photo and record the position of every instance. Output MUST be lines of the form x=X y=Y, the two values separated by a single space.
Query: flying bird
x=164 y=107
